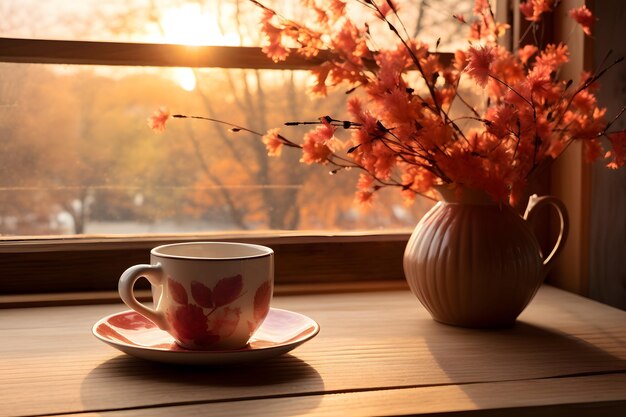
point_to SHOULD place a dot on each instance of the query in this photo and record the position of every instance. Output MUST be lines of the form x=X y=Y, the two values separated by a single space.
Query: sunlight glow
x=191 y=25
x=185 y=78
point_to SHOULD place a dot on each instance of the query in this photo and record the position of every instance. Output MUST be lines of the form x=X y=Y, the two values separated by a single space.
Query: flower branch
x=401 y=131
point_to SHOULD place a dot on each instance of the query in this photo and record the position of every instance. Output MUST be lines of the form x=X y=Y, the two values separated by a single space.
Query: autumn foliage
x=402 y=130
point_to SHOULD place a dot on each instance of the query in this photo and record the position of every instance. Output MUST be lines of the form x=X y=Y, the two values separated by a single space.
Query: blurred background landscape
x=77 y=156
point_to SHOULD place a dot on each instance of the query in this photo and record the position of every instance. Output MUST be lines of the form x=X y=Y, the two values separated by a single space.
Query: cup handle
x=154 y=274
x=534 y=203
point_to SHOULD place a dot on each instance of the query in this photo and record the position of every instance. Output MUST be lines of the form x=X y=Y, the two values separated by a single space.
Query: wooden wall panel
x=607 y=269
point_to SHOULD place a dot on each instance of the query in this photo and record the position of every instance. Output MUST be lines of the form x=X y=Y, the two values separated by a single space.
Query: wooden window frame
x=569 y=178
x=372 y=260
x=570 y=175
x=305 y=262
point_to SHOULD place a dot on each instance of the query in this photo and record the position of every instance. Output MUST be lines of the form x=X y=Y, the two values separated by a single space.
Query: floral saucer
x=132 y=333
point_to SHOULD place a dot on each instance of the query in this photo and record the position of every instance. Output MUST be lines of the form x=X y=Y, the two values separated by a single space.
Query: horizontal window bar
x=40 y=51
x=95 y=263
x=143 y=54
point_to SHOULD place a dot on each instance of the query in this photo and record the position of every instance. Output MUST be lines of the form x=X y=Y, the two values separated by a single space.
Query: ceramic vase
x=474 y=263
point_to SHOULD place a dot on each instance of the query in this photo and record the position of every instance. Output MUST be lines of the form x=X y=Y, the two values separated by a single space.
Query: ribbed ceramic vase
x=474 y=263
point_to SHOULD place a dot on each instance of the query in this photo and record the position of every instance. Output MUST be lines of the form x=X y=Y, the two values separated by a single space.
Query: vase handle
x=534 y=203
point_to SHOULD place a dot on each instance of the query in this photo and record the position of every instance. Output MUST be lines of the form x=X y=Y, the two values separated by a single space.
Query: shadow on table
x=126 y=382
x=524 y=351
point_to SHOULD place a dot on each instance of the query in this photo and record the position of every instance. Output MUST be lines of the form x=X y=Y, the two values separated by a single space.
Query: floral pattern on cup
x=133 y=321
x=262 y=299
x=193 y=325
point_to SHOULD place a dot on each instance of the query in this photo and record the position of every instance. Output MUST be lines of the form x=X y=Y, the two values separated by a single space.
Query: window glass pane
x=205 y=22
x=78 y=158
x=77 y=155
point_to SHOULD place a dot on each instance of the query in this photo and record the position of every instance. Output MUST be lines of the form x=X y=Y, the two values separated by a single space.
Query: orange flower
x=479 y=61
x=158 y=119
x=369 y=127
x=585 y=101
x=350 y=42
x=392 y=64
x=618 y=149
x=592 y=150
x=385 y=160
x=502 y=119
x=553 y=56
x=539 y=81
x=272 y=142
x=583 y=17
x=315 y=148
x=418 y=180
x=364 y=198
x=533 y=9
x=365 y=183
x=507 y=69
x=273 y=47
x=526 y=52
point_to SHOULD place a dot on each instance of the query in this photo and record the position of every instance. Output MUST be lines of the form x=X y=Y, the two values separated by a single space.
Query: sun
x=193 y=26
x=185 y=78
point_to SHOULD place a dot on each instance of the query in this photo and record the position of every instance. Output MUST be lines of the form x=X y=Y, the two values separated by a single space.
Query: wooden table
x=378 y=353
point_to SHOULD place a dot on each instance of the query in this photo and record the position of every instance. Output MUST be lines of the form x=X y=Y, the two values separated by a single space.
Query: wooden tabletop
x=377 y=353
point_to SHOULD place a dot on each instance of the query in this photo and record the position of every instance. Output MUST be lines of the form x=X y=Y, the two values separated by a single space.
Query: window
x=101 y=171
x=108 y=196
x=81 y=163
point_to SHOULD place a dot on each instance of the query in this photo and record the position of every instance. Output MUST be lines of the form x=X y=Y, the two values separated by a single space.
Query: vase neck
x=460 y=195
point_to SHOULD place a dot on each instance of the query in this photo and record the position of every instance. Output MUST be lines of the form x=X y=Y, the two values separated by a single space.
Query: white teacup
x=208 y=295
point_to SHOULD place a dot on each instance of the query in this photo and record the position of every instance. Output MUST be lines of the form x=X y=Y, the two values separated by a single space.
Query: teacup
x=208 y=295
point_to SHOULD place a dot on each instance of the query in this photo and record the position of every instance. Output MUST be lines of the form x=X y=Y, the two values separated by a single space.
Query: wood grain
x=607 y=245
x=96 y=264
x=570 y=174
x=593 y=396
x=51 y=364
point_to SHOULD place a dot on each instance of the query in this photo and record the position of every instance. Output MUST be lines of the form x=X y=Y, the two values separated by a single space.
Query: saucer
x=135 y=335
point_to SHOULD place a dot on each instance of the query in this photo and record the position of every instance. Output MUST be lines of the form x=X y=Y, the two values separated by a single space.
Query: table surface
x=378 y=353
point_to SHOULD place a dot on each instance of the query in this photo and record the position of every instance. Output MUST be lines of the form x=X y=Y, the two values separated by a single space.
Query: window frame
x=49 y=51
x=89 y=263
x=569 y=178
x=570 y=175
